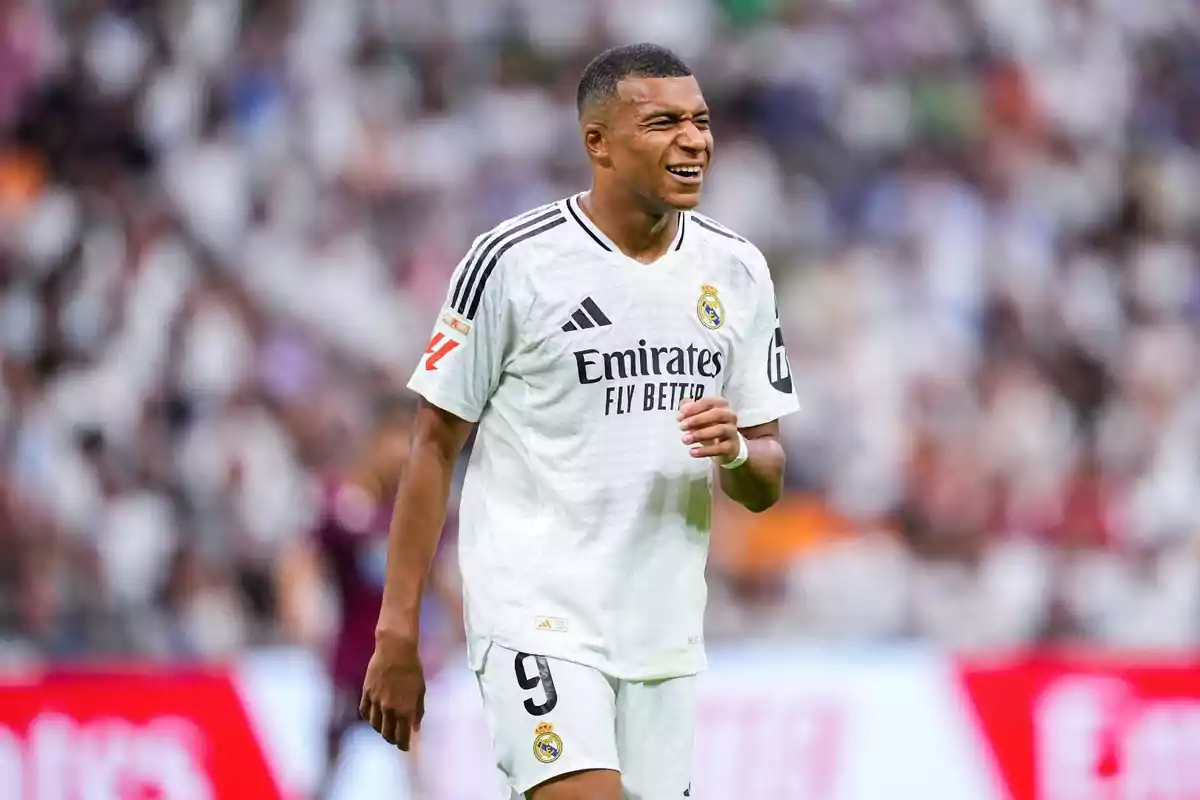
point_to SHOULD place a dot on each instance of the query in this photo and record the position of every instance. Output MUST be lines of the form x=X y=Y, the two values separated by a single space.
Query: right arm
x=417 y=520
x=456 y=376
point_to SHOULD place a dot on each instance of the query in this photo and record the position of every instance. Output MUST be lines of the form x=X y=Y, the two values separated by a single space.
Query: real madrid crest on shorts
x=547 y=745
x=709 y=309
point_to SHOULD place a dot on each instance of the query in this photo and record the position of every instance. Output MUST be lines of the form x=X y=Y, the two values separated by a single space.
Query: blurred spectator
x=226 y=226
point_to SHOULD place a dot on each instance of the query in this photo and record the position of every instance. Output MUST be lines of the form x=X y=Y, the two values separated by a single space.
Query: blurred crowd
x=226 y=227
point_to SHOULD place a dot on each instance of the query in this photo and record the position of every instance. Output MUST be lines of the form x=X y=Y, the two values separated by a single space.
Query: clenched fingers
x=725 y=448
x=714 y=416
x=689 y=408
x=713 y=434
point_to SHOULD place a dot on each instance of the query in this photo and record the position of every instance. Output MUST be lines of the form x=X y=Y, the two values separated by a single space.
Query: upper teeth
x=688 y=170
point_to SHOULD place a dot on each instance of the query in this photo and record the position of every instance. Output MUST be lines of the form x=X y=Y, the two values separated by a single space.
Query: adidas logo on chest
x=586 y=315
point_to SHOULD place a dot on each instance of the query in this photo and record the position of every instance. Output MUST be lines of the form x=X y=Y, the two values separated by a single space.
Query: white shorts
x=549 y=717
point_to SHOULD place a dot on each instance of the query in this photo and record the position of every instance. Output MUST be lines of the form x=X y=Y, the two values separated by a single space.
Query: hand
x=710 y=429
x=393 y=699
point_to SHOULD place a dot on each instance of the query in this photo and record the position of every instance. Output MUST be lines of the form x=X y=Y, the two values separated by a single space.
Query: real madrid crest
x=709 y=309
x=547 y=745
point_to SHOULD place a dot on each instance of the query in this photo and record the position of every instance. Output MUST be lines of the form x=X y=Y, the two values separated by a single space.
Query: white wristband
x=743 y=454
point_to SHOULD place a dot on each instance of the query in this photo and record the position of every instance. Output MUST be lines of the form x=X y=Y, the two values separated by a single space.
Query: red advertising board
x=773 y=724
x=1090 y=730
x=128 y=736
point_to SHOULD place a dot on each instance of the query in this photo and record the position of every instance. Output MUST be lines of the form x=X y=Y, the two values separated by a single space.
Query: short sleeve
x=470 y=342
x=760 y=385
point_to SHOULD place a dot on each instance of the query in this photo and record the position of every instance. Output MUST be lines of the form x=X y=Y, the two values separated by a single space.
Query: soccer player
x=613 y=348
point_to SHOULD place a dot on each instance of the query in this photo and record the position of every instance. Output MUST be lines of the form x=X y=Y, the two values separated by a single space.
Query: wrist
x=743 y=454
x=396 y=638
x=396 y=627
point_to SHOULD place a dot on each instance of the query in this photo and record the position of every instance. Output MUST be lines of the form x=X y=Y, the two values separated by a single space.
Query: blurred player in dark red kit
x=346 y=550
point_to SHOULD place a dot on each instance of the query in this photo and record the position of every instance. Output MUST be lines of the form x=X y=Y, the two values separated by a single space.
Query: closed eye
x=667 y=121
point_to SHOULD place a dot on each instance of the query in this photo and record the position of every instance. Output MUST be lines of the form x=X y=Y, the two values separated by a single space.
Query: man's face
x=659 y=142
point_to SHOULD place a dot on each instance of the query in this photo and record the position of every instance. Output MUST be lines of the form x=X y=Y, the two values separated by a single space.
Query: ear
x=596 y=141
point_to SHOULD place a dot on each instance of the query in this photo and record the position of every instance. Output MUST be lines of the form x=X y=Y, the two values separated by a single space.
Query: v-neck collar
x=575 y=209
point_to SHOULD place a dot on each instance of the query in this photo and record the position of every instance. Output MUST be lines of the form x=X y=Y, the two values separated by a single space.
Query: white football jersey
x=584 y=523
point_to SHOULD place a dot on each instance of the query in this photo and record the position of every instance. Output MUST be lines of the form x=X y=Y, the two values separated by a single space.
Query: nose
x=691 y=138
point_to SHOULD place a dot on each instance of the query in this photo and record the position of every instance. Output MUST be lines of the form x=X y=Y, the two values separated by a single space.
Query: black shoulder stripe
x=509 y=241
x=466 y=268
x=468 y=277
x=715 y=228
x=483 y=243
x=586 y=229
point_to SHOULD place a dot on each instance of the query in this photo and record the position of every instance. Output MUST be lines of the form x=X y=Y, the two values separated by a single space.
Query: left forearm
x=758 y=483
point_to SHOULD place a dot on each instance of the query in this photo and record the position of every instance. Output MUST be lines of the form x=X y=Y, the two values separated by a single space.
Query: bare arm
x=460 y=370
x=418 y=518
x=758 y=483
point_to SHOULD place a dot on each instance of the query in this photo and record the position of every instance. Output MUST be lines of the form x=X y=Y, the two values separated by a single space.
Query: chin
x=680 y=201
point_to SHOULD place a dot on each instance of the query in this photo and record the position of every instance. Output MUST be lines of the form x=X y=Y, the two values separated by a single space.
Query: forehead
x=644 y=95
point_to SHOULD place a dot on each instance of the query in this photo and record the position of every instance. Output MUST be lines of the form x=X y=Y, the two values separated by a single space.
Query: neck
x=640 y=234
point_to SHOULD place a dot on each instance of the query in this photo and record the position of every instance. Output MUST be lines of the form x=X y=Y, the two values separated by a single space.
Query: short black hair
x=599 y=81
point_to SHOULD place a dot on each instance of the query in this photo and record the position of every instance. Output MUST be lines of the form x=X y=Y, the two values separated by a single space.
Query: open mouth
x=688 y=174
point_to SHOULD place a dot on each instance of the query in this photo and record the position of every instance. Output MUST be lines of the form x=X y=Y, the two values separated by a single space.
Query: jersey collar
x=597 y=236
